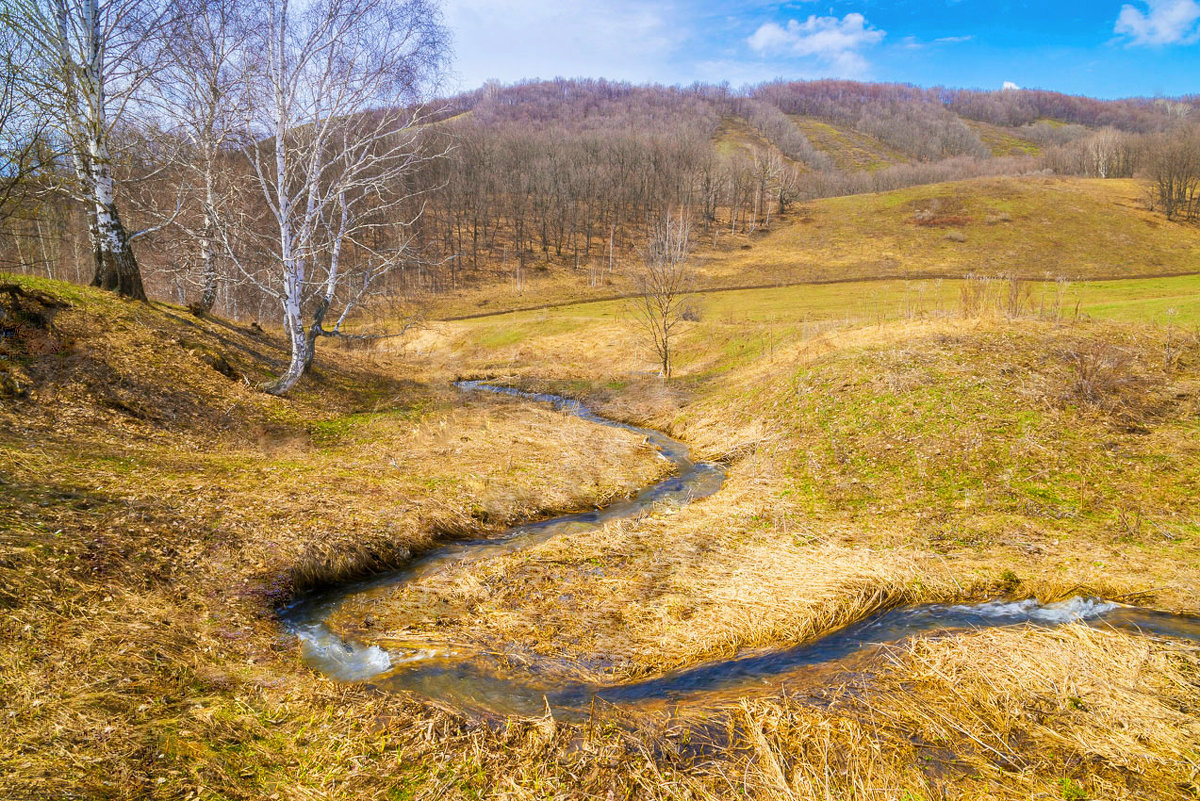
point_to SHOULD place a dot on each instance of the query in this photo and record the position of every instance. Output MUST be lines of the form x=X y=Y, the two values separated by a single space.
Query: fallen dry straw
x=1005 y=714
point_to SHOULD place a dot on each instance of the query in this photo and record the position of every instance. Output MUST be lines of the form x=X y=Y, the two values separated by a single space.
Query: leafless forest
x=290 y=166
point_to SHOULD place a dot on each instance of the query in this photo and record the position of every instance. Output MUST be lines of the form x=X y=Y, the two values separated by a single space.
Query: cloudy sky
x=1094 y=47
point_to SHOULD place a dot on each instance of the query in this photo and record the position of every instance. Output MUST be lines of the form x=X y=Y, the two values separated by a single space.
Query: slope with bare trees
x=301 y=187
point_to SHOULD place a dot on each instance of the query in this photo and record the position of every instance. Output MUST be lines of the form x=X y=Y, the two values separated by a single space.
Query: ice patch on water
x=341 y=660
x=1070 y=610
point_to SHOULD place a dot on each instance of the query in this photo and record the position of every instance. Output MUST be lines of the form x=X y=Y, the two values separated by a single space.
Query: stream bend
x=474 y=681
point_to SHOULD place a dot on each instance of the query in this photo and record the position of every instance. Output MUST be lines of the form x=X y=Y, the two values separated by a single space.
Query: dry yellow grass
x=1002 y=141
x=147 y=533
x=1075 y=713
x=1034 y=226
x=735 y=136
x=155 y=510
x=850 y=150
x=647 y=596
x=907 y=462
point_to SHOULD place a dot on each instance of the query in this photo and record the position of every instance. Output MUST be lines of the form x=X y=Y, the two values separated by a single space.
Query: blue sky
x=1098 y=48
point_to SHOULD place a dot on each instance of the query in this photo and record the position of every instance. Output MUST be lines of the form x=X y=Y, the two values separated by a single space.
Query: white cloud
x=1009 y=86
x=1163 y=22
x=834 y=42
x=514 y=39
x=913 y=43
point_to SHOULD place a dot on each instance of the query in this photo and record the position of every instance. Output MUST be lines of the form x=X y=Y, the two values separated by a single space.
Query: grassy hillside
x=929 y=456
x=894 y=432
x=155 y=507
x=1025 y=444
x=735 y=136
x=850 y=150
x=1002 y=141
x=1034 y=227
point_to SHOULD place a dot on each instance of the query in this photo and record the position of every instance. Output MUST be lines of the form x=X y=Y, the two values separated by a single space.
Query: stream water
x=472 y=680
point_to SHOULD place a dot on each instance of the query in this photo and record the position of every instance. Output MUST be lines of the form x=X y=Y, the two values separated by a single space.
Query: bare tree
x=1173 y=161
x=336 y=135
x=203 y=91
x=22 y=127
x=664 y=282
x=789 y=186
x=1109 y=154
x=87 y=59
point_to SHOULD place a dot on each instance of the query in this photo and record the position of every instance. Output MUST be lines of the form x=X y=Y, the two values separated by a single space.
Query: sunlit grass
x=884 y=448
x=1037 y=227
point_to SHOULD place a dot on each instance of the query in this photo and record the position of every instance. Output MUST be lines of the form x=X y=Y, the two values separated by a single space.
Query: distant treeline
x=573 y=172
x=568 y=169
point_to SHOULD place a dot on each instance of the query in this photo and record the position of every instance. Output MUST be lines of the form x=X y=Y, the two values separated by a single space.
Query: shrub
x=1100 y=372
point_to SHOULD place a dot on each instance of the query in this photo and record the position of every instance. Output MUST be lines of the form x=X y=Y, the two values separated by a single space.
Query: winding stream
x=472 y=680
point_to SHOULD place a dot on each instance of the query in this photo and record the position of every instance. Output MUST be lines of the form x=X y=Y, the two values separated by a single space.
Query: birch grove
x=284 y=162
x=202 y=89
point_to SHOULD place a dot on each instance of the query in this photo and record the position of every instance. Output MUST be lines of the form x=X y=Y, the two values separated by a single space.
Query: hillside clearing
x=850 y=150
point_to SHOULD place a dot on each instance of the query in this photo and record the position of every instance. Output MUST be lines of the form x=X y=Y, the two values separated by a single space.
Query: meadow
x=890 y=442
x=894 y=433
x=1036 y=228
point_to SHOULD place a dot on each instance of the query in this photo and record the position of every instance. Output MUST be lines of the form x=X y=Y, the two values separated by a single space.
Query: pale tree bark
x=116 y=268
x=203 y=91
x=336 y=134
x=86 y=61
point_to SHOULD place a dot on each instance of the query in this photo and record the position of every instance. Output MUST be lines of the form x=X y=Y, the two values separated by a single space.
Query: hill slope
x=1036 y=227
x=154 y=510
x=915 y=460
x=850 y=150
x=1033 y=227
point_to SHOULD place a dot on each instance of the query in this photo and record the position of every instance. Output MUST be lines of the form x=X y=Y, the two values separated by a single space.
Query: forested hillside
x=508 y=183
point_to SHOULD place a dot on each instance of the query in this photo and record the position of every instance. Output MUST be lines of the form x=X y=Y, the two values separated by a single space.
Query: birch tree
x=336 y=135
x=203 y=90
x=85 y=62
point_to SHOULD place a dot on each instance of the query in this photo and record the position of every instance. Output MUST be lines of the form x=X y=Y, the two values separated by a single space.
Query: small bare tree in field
x=664 y=282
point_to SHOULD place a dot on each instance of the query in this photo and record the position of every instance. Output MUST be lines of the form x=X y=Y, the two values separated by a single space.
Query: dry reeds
x=140 y=558
x=1002 y=714
x=1009 y=296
